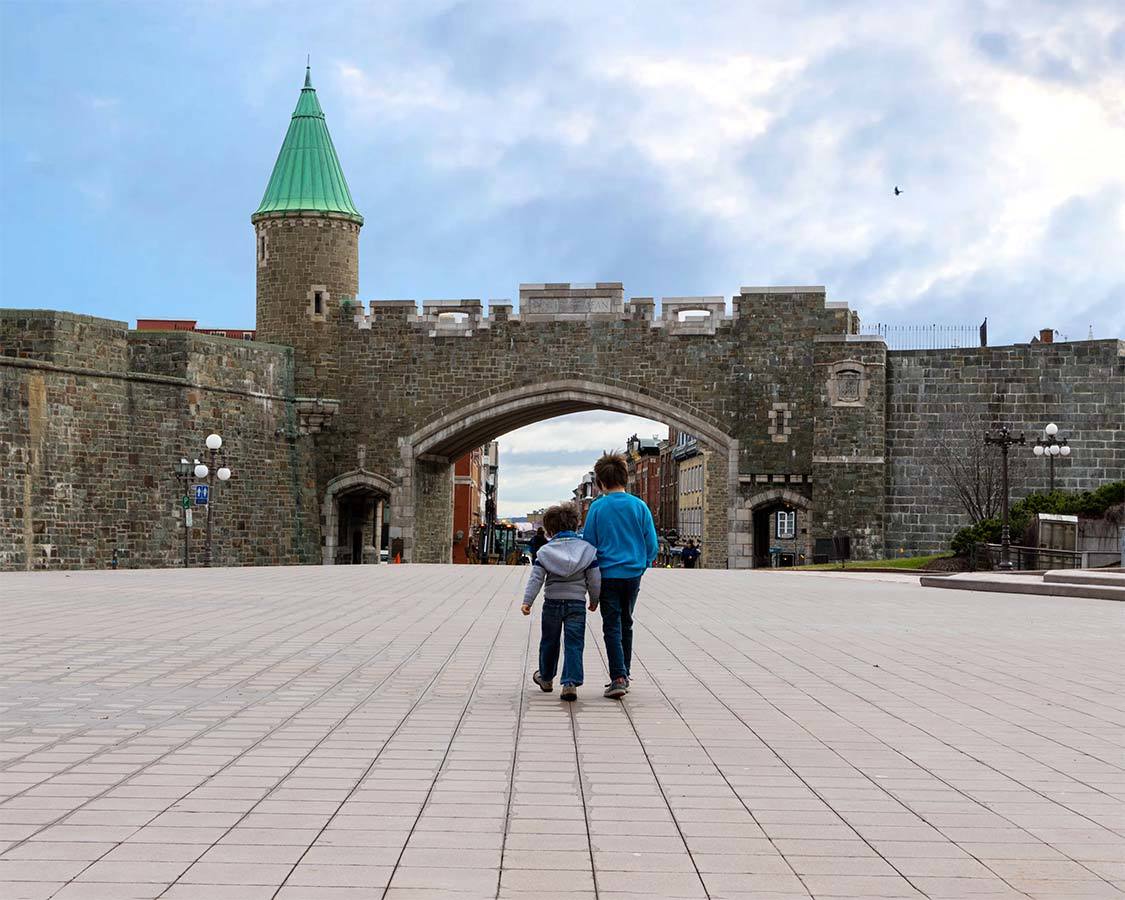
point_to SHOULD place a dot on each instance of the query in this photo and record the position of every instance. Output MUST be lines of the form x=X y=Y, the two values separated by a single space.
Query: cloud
x=541 y=464
x=694 y=165
x=490 y=143
x=587 y=432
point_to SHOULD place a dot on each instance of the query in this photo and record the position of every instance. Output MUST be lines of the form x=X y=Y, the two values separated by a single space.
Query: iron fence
x=932 y=337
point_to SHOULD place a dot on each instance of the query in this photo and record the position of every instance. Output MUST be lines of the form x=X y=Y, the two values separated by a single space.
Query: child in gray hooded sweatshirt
x=566 y=567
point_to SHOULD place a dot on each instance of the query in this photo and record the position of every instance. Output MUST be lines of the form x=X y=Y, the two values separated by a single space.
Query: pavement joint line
x=831 y=749
x=134 y=707
x=202 y=615
x=930 y=772
x=452 y=737
x=928 y=687
x=515 y=754
x=132 y=736
x=1018 y=814
x=406 y=659
x=987 y=712
x=604 y=654
x=784 y=761
x=1060 y=678
x=702 y=746
x=215 y=673
x=1039 y=713
x=178 y=747
x=582 y=791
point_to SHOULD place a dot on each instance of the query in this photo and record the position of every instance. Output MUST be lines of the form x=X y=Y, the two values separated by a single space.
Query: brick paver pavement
x=372 y=733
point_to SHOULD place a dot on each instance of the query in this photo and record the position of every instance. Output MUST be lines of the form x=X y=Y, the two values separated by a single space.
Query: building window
x=262 y=248
x=786 y=523
x=318 y=303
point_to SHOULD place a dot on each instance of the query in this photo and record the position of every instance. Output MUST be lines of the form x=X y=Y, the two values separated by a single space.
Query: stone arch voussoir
x=765 y=497
x=483 y=416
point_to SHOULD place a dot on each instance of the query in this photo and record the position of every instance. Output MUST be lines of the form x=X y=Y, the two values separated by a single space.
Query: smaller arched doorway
x=353 y=518
x=780 y=529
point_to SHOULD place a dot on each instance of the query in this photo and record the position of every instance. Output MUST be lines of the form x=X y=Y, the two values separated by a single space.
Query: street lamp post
x=1003 y=439
x=1050 y=446
x=489 y=536
x=222 y=472
x=183 y=472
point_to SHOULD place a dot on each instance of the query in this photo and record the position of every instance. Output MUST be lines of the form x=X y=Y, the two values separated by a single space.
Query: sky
x=684 y=149
x=541 y=464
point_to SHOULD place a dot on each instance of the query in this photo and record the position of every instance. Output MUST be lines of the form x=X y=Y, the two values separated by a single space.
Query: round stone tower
x=307 y=234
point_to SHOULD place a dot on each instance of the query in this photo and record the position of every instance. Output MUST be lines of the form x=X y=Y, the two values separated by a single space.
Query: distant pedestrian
x=620 y=527
x=566 y=567
x=690 y=555
x=536 y=542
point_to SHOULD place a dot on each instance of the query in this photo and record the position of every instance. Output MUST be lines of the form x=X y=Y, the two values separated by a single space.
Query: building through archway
x=422 y=505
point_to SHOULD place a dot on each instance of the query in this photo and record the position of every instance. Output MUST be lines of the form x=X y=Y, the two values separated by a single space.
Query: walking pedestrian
x=621 y=529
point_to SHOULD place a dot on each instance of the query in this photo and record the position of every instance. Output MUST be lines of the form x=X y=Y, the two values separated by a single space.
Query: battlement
x=548 y=302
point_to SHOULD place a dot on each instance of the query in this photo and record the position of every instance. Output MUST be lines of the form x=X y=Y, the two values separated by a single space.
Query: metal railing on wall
x=987 y=556
x=933 y=336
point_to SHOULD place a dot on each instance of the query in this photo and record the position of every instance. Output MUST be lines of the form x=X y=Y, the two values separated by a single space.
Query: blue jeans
x=560 y=616
x=619 y=596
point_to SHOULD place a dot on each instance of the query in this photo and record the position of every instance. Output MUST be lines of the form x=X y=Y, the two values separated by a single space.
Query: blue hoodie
x=620 y=527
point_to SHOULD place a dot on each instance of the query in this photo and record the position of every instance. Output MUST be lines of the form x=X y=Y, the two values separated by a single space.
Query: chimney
x=1046 y=335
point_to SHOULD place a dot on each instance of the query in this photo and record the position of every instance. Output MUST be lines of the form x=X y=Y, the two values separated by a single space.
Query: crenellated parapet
x=604 y=302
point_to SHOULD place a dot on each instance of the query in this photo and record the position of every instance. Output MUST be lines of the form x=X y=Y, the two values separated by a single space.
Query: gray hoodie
x=569 y=568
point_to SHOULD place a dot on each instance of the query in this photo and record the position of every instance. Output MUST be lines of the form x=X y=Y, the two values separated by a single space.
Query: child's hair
x=563 y=517
x=612 y=471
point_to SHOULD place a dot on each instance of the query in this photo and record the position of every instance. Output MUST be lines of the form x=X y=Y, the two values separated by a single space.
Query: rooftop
x=307 y=177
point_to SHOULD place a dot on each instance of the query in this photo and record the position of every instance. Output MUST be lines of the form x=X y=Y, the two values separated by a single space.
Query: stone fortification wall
x=941 y=402
x=93 y=419
x=745 y=375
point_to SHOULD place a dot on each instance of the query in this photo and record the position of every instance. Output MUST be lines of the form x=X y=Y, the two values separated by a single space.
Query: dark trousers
x=619 y=596
x=559 y=617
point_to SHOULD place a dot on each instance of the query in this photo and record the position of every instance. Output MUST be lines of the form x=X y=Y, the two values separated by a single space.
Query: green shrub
x=1089 y=504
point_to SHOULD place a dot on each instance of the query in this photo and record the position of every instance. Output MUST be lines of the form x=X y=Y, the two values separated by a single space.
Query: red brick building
x=238 y=334
x=669 y=487
x=643 y=457
x=467 y=487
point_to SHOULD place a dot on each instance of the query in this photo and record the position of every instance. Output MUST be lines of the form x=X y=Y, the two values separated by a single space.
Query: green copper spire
x=307 y=176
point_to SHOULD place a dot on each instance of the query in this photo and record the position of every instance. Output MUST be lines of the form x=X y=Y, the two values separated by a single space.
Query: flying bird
x=897 y=191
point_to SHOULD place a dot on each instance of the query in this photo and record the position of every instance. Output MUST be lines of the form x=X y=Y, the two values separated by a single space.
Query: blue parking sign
x=201 y=492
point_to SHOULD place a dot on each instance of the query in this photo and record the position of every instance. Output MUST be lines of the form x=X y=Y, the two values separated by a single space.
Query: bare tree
x=971 y=471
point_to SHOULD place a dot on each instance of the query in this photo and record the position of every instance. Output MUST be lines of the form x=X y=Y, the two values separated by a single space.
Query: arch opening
x=423 y=503
x=780 y=528
x=479 y=422
x=353 y=518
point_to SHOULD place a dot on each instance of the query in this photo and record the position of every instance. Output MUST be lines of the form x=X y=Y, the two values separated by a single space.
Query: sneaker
x=628 y=683
x=617 y=688
x=546 y=686
x=569 y=693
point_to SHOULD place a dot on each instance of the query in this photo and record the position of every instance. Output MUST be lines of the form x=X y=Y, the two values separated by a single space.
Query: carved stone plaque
x=847 y=385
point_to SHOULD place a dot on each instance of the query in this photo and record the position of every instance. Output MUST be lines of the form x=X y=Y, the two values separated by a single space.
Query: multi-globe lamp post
x=184 y=472
x=217 y=469
x=1004 y=440
x=1051 y=446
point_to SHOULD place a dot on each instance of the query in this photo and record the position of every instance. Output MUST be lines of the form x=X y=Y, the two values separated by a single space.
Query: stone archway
x=359 y=484
x=421 y=502
x=761 y=508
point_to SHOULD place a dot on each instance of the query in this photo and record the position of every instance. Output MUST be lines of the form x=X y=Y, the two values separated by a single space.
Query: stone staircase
x=1097 y=584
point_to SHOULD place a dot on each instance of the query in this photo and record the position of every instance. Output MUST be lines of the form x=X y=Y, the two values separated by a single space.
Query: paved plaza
x=371 y=732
